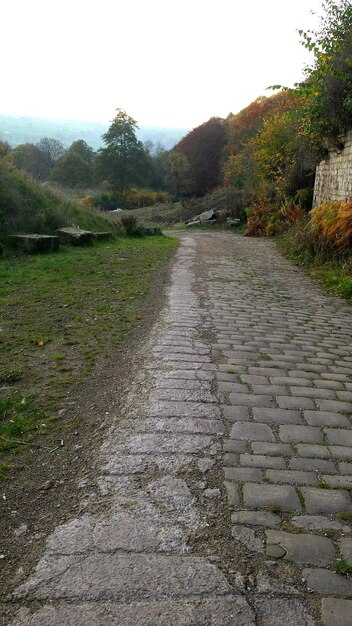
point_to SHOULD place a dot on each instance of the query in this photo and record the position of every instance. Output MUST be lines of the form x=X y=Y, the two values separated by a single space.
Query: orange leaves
x=332 y=222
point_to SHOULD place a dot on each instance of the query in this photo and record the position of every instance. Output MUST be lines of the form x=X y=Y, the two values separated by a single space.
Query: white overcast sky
x=166 y=63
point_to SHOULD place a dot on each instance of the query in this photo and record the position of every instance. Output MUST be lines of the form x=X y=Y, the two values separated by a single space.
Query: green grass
x=334 y=275
x=61 y=313
x=342 y=567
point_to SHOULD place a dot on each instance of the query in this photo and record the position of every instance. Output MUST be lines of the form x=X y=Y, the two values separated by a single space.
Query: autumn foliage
x=203 y=148
x=331 y=225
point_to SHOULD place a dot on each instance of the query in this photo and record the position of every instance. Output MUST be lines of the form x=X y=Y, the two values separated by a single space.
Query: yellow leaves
x=332 y=221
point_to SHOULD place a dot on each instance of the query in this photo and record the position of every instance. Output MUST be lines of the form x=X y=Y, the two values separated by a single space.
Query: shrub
x=331 y=226
x=265 y=220
x=131 y=226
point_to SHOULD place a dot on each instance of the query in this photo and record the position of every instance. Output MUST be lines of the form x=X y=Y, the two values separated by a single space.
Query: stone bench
x=103 y=236
x=75 y=236
x=35 y=244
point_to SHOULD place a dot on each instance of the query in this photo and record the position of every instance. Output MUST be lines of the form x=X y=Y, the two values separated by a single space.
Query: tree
x=178 y=174
x=5 y=148
x=326 y=92
x=52 y=148
x=83 y=149
x=203 y=149
x=31 y=159
x=76 y=167
x=121 y=161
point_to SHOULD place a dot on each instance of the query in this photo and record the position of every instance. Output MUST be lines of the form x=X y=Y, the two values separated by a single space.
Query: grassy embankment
x=333 y=274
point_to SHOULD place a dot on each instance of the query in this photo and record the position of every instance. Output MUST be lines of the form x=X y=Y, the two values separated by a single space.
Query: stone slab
x=215 y=610
x=336 y=612
x=303 y=549
x=265 y=496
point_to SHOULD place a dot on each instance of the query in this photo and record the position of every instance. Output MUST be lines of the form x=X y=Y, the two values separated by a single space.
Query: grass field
x=59 y=314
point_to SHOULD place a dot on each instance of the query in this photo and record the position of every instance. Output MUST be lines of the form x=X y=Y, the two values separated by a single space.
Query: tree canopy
x=121 y=161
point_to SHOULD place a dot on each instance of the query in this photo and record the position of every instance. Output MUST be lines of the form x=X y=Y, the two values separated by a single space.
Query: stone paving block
x=339 y=437
x=236 y=413
x=290 y=611
x=291 y=477
x=326 y=418
x=295 y=402
x=254 y=380
x=326 y=500
x=287 y=380
x=258 y=460
x=231 y=369
x=308 y=392
x=345 y=468
x=256 y=518
x=243 y=474
x=276 y=416
x=225 y=377
x=342 y=482
x=313 y=465
x=329 y=384
x=300 y=434
x=252 y=432
x=336 y=612
x=272 y=449
x=300 y=374
x=303 y=549
x=244 y=399
x=326 y=582
x=314 y=451
x=344 y=395
x=230 y=387
x=318 y=522
x=232 y=445
x=311 y=367
x=346 y=549
x=265 y=496
x=337 y=377
x=341 y=452
x=272 y=390
x=266 y=371
x=230 y=460
x=233 y=494
x=335 y=405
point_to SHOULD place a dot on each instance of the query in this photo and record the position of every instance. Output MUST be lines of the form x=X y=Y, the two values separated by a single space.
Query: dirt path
x=218 y=495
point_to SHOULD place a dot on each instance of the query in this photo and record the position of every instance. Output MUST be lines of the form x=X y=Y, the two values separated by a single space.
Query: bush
x=131 y=226
x=331 y=226
x=266 y=220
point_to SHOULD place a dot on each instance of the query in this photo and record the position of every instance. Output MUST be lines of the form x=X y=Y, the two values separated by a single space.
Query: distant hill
x=20 y=129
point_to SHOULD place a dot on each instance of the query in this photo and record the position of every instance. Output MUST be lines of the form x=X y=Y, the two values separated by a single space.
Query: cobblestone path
x=222 y=493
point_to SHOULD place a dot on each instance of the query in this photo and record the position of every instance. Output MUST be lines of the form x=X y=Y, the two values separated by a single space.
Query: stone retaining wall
x=334 y=175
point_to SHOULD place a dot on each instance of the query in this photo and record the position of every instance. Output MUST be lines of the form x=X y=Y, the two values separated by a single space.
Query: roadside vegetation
x=61 y=314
